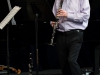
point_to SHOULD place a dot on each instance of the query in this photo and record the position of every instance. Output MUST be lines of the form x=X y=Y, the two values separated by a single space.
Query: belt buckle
x=78 y=30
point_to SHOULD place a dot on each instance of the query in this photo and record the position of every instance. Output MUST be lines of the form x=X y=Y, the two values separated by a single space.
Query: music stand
x=41 y=15
x=3 y=23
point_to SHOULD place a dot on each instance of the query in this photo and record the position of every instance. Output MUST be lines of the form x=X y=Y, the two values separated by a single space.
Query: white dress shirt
x=78 y=14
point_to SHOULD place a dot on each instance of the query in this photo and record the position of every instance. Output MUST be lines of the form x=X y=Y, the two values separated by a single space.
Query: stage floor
x=85 y=71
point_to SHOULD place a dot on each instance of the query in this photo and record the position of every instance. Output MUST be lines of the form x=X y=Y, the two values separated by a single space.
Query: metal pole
x=9 y=6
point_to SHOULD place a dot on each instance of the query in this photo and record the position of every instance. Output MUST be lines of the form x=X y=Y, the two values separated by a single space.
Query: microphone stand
x=37 y=13
x=36 y=26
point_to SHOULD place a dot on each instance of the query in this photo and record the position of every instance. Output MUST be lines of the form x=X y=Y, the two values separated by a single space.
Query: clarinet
x=56 y=24
x=30 y=65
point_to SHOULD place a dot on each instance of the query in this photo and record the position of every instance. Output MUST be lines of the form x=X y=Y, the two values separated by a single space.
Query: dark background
x=22 y=37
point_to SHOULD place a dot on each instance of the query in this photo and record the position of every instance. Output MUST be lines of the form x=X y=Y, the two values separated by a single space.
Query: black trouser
x=68 y=47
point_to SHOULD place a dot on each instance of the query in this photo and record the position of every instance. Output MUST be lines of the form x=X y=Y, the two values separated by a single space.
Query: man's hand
x=62 y=13
x=52 y=23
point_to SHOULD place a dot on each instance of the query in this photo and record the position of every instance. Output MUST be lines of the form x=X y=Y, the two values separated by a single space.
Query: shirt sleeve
x=81 y=16
x=54 y=9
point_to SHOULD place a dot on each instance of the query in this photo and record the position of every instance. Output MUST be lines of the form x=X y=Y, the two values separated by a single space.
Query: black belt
x=77 y=30
x=71 y=31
